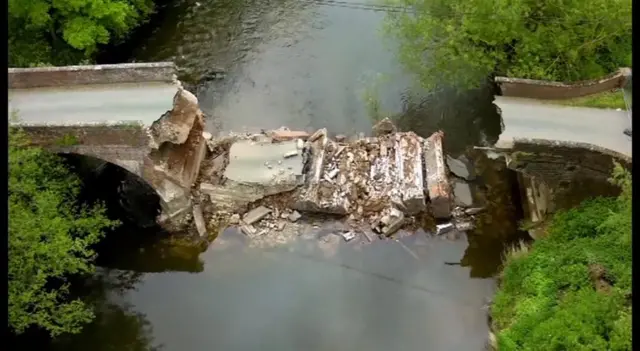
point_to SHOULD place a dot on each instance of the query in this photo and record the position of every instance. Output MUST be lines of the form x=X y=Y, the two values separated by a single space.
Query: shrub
x=571 y=290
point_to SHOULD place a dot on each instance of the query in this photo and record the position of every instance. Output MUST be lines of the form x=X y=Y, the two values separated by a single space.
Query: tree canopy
x=461 y=42
x=68 y=31
x=50 y=239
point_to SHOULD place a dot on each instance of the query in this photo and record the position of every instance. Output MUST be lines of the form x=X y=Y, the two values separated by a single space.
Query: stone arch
x=122 y=179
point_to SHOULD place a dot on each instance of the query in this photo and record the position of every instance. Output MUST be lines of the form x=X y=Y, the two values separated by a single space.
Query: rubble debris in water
x=384 y=127
x=461 y=167
x=207 y=136
x=294 y=216
x=462 y=193
x=340 y=138
x=299 y=144
x=291 y=154
x=234 y=219
x=198 y=218
x=256 y=214
x=444 y=228
x=280 y=135
x=248 y=229
x=280 y=226
x=437 y=183
x=409 y=170
x=464 y=226
x=473 y=210
x=390 y=222
x=348 y=236
x=318 y=134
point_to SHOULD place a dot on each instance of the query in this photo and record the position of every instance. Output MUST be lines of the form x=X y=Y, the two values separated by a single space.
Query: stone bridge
x=167 y=154
x=155 y=129
x=136 y=116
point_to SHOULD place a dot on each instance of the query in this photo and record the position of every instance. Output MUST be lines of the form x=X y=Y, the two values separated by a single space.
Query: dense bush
x=50 y=239
x=572 y=290
x=460 y=42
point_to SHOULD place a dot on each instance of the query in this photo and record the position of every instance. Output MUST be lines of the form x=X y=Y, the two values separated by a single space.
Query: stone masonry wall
x=572 y=171
x=125 y=145
x=547 y=90
x=25 y=78
x=133 y=135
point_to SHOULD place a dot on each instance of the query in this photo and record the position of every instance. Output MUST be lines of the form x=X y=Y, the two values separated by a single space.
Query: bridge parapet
x=548 y=90
x=38 y=77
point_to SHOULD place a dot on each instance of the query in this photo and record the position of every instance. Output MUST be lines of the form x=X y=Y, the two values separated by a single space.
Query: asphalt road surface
x=527 y=118
x=100 y=103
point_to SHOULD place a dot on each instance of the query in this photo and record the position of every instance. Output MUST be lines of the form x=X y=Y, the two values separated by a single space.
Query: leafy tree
x=68 y=31
x=50 y=239
x=461 y=42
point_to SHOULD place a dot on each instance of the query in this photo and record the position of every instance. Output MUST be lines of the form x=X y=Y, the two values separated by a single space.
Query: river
x=304 y=64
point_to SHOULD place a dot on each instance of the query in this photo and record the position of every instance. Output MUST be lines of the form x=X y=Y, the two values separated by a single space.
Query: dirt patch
x=598 y=275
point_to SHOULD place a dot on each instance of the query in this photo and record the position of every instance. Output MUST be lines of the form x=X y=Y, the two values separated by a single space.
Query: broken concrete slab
x=462 y=193
x=348 y=236
x=461 y=167
x=409 y=172
x=256 y=214
x=437 y=183
x=234 y=197
x=281 y=135
x=247 y=160
x=444 y=228
x=198 y=218
x=294 y=216
x=390 y=222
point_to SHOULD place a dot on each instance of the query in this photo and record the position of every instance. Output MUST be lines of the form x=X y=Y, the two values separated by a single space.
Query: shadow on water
x=138 y=243
x=468 y=118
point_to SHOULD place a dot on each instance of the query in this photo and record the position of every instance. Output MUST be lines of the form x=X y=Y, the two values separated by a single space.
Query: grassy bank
x=571 y=290
x=610 y=99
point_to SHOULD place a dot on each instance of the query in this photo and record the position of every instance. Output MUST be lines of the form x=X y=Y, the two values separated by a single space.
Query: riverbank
x=571 y=289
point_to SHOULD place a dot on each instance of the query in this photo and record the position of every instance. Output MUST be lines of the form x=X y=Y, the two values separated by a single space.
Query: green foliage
x=461 y=42
x=552 y=298
x=50 y=236
x=67 y=140
x=610 y=99
x=45 y=32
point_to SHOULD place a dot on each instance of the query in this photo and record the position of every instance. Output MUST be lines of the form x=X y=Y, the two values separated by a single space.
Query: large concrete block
x=409 y=172
x=436 y=173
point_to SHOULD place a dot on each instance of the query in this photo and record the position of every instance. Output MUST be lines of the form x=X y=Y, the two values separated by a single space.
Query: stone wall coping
x=137 y=124
x=542 y=89
x=164 y=64
x=36 y=77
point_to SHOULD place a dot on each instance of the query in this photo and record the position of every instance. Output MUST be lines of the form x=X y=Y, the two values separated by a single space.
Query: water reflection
x=301 y=296
x=467 y=118
x=117 y=325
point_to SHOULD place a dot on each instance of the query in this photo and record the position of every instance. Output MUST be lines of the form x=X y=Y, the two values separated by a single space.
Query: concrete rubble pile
x=379 y=182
